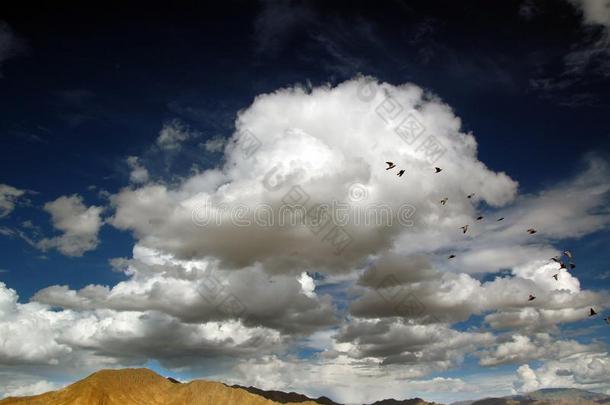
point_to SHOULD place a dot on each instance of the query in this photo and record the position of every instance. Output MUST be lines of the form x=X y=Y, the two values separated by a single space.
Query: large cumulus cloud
x=322 y=141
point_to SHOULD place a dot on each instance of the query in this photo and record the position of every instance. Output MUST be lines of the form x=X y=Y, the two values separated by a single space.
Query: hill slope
x=142 y=387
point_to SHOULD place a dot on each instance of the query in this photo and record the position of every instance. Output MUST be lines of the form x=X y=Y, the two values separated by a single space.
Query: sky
x=203 y=190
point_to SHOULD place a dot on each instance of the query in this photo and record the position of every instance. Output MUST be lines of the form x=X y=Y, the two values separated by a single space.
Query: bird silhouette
x=500 y=219
x=531 y=298
x=401 y=172
x=438 y=169
x=451 y=256
x=568 y=254
x=562 y=265
x=444 y=200
x=479 y=218
x=531 y=231
x=470 y=195
x=572 y=266
x=391 y=165
x=592 y=312
x=556 y=259
x=464 y=228
x=555 y=276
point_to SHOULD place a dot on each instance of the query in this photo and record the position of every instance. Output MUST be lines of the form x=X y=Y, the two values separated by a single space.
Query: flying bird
x=572 y=266
x=444 y=200
x=556 y=259
x=391 y=165
x=451 y=256
x=437 y=169
x=500 y=219
x=555 y=276
x=531 y=231
x=401 y=172
x=562 y=265
x=470 y=195
x=479 y=218
x=568 y=254
x=531 y=298
x=464 y=228
x=592 y=312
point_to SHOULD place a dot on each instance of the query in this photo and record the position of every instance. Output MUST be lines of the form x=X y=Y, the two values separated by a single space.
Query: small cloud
x=8 y=199
x=80 y=225
x=173 y=134
x=215 y=144
x=138 y=174
x=594 y=12
x=30 y=389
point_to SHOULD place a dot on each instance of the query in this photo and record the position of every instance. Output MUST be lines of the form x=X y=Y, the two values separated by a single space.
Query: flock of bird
x=558 y=259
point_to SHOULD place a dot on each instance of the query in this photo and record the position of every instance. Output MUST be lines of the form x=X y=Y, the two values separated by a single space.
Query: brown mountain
x=286 y=397
x=142 y=386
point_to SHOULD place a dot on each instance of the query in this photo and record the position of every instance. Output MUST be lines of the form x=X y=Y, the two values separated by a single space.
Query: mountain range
x=143 y=386
x=548 y=396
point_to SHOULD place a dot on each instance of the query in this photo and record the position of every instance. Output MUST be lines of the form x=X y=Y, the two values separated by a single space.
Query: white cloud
x=539 y=347
x=215 y=144
x=173 y=134
x=433 y=347
x=28 y=332
x=454 y=297
x=308 y=285
x=138 y=174
x=345 y=380
x=323 y=152
x=35 y=388
x=197 y=291
x=594 y=11
x=589 y=371
x=80 y=225
x=8 y=197
x=34 y=334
